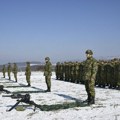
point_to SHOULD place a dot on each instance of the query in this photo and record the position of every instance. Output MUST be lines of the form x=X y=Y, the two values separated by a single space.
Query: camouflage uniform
x=98 y=79
x=77 y=72
x=57 y=70
x=90 y=71
x=118 y=80
x=61 y=71
x=72 y=72
x=106 y=73
x=28 y=73
x=81 y=74
x=103 y=75
x=109 y=74
x=117 y=74
x=66 y=72
x=4 y=70
x=9 y=71
x=15 y=70
x=48 y=73
x=112 y=80
x=69 y=71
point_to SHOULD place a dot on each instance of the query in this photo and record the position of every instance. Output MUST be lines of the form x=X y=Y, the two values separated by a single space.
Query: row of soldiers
x=10 y=69
x=47 y=72
x=108 y=73
x=14 y=69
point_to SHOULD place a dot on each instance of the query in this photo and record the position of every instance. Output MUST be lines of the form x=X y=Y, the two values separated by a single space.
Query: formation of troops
x=108 y=74
x=90 y=72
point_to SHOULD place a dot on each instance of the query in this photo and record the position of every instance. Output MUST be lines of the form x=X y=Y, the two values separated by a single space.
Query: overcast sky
x=30 y=30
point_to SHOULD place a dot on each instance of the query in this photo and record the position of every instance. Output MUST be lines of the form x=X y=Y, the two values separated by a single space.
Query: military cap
x=28 y=62
x=47 y=58
x=58 y=63
x=89 y=52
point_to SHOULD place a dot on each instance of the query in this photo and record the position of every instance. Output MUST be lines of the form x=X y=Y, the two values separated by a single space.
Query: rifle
x=3 y=90
x=25 y=99
x=14 y=96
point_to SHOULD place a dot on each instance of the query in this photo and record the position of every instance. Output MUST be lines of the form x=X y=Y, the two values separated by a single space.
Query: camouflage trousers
x=4 y=74
x=48 y=82
x=28 y=79
x=9 y=75
x=15 y=76
x=89 y=86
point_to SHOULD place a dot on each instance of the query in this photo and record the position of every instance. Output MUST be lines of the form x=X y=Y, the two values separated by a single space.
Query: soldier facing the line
x=9 y=71
x=28 y=73
x=3 y=70
x=15 y=70
x=48 y=73
x=90 y=71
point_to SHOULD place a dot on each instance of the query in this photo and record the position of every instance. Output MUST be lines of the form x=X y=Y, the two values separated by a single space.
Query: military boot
x=92 y=101
x=88 y=99
x=28 y=84
x=48 y=90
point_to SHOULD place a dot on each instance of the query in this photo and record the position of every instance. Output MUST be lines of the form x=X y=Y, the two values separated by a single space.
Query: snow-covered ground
x=107 y=106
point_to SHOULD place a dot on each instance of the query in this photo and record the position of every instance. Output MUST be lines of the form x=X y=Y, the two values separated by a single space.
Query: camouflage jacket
x=28 y=70
x=90 y=69
x=9 y=68
x=3 y=69
x=48 y=69
x=15 y=69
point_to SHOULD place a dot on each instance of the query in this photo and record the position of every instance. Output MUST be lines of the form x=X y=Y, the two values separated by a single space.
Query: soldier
x=77 y=72
x=90 y=71
x=117 y=74
x=66 y=71
x=72 y=72
x=103 y=75
x=15 y=69
x=3 y=70
x=48 y=73
x=81 y=73
x=9 y=71
x=61 y=71
x=28 y=73
x=98 y=77
x=57 y=70
x=109 y=74
x=69 y=71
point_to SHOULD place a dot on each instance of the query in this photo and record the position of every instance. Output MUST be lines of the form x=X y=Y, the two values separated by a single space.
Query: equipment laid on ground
x=21 y=98
x=3 y=90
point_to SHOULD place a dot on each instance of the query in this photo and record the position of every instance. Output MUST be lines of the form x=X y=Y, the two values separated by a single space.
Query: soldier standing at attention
x=48 y=73
x=57 y=70
x=90 y=71
x=9 y=71
x=3 y=70
x=15 y=70
x=28 y=73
